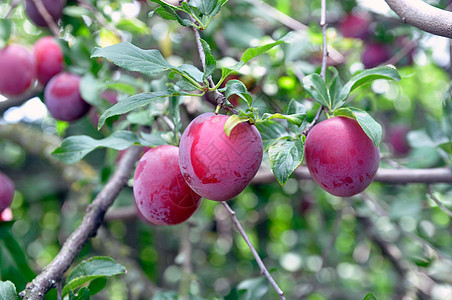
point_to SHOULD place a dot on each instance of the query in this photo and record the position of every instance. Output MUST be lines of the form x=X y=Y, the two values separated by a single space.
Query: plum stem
x=259 y=261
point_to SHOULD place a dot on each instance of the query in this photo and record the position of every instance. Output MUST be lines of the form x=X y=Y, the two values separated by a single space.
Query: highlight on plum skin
x=17 y=70
x=49 y=59
x=340 y=157
x=216 y=166
x=62 y=97
x=6 y=192
x=161 y=194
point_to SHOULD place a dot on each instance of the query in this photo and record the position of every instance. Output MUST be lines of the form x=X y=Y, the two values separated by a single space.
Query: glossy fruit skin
x=162 y=196
x=355 y=25
x=6 y=215
x=340 y=156
x=374 y=54
x=17 y=70
x=53 y=7
x=397 y=138
x=63 y=99
x=215 y=166
x=6 y=192
x=49 y=59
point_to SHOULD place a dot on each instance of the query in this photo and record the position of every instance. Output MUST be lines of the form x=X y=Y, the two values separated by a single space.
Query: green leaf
x=93 y=268
x=285 y=156
x=134 y=26
x=316 y=87
x=295 y=119
x=157 y=138
x=75 y=147
x=132 y=58
x=211 y=63
x=251 y=53
x=362 y=78
x=132 y=103
x=82 y=294
x=293 y=108
x=15 y=250
x=168 y=12
x=367 y=123
x=90 y=89
x=174 y=110
x=205 y=7
x=191 y=71
x=5 y=32
x=270 y=132
x=335 y=85
x=370 y=296
x=233 y=121
x=7 y=290
x=255 y=288
x=236 y=87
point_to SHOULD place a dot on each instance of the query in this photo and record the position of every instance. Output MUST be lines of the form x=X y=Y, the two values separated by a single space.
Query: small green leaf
x=295 y=119
x=270 y=132
x=75 y=147
x=251 y=53
x=90 y=89
x=7 y=290
x=134 y=26
x=205 y=7
x=335 y=85
x=233 y=121
x=82 y=294
x=93 y=268
x=211 y=63
x=370 y=296
x=285 y=156
x=132 y=103
x=191 y=71
x=364 y=77
x=316 y=87
x=236 y=87
x=367 y=123
x=293 y=108
x=255 y=288
x=168 y=12
x=5 y=32
x=132 y=58
x=156 y=138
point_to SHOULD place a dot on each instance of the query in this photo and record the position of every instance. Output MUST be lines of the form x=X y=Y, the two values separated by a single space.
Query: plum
x=53 y=7
x=216 y=166
x=49 y=59
x=355 y=25
x=162 y=196
x=375 y=54
x=340 y=157
x=17 y=70
x=397 y=138
x=63 y=99
x=6 y=192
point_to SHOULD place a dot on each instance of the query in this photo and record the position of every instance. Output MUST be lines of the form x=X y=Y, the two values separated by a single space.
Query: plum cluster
x=169 y=181
x=20 y=69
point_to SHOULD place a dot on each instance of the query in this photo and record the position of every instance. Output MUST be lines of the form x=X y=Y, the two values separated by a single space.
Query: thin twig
x=323 y=25
x=20 y=99
x=54 y=272
x=436 y=200
x=13 y=5
x=47 y=17
x=259 y=261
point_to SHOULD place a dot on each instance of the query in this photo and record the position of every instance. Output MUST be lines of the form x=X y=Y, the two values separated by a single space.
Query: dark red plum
x=216 y=166
x=6 y=192
x=17 y=70
x=63 y=99
x=340 y=156
x=49 y=59
x=355 y=25
x=162 y=196
x=374 y=55
x=53 y=7
x=397 y=138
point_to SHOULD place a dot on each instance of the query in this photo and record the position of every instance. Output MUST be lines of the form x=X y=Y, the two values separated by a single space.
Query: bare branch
x=423 y=16
x=18 y=100
x=54 y=272
x=390 y=176
x=259 y=261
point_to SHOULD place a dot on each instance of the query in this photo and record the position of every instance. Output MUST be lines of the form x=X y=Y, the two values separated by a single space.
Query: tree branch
x=18 y=100
x=436 y=200
x=390 y=176
x=54 y=272
x=259 y=261
x=47 y=17
x=423 y=16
